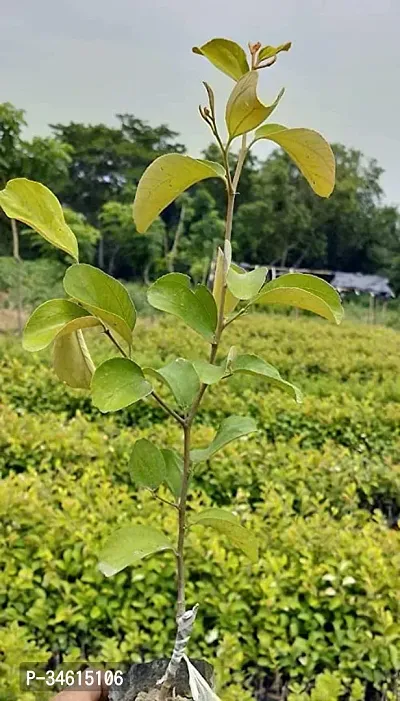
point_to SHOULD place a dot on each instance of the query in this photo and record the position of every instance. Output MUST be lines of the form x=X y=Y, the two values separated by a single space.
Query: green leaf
x=171 y=293
x=309 y=151
x=71 y=360
x=35 y=205
x=129 y=545
x=225 y=55
x=227 y=524
x=270 y=51
x=305 y=292
x=253 y=365
x=53 y=319
x=147 y=464
x=174 y=470
x=166 y=178
x=117 y=383
x=244 y=111
x=219 y=277
x=230 y=429
x=245 y=285
x=181 y=378
x=209 y=374
x=204 y=295
x=103 y=296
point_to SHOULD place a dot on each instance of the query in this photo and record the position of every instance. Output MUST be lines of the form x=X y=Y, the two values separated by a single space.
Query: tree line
x=94 y=170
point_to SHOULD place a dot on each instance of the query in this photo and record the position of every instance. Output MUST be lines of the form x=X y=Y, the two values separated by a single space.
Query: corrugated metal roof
x=372 y=284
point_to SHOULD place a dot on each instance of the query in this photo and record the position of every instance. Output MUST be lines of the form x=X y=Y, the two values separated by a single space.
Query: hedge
x=318 y=617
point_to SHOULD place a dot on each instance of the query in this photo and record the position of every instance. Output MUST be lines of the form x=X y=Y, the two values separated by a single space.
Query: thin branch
x=158 y=399
x=115 y=342
x=236 y=316
x=197 y=401
x=168 y=409
x=164 y=501
x=208 y=114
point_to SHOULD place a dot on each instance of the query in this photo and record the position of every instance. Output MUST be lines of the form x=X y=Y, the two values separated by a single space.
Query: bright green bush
x=318 y=485
x=16 y=648
x=350 y=378
x=324 y=595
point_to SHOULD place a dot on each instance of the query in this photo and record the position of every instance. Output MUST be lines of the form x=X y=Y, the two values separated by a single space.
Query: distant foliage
x=94 y=169
x=37 y=276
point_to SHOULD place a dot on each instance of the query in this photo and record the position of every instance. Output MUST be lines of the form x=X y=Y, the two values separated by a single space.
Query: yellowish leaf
x=71 y=360
x=308 y=150
x=270 y=51
x=225 y=55
x=165 y=179
x=244 y=111
x=35 y=205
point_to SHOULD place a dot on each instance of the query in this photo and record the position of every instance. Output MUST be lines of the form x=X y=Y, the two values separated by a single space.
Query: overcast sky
x=86 y=60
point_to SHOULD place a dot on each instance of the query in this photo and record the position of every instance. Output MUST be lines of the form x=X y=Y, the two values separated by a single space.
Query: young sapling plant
x=95 y=299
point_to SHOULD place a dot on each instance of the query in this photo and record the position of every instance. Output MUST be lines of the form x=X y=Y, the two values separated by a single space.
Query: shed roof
x=358 y=282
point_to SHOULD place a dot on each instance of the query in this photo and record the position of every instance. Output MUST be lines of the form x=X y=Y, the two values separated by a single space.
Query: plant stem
x=115 y=342
x=231 y=194
x=158 y=399
x=239 y=164
x=168 y=409
x=187 y=424
x=236 y=316
x=164 y=501
x=181 y=602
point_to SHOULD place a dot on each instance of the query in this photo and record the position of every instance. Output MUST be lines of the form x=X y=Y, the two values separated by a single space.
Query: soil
x=140 y=681
x=9 y=320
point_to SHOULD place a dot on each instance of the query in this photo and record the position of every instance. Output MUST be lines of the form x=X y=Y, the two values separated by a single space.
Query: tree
x=285 y=224
x=86 y=234
x=94 y=170
x=43 y=159
x=205 y=232
x=276 y=227
x=107 y=161
x=149 y=142
x=125 y=251
x=387 y=250
x=12 y=121
x=351 y=223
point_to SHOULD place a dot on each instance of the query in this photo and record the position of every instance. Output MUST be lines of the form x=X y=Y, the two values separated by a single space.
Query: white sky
x=86 y=60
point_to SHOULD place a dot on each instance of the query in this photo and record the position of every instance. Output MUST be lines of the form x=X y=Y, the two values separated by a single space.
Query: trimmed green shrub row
x=317 y=618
